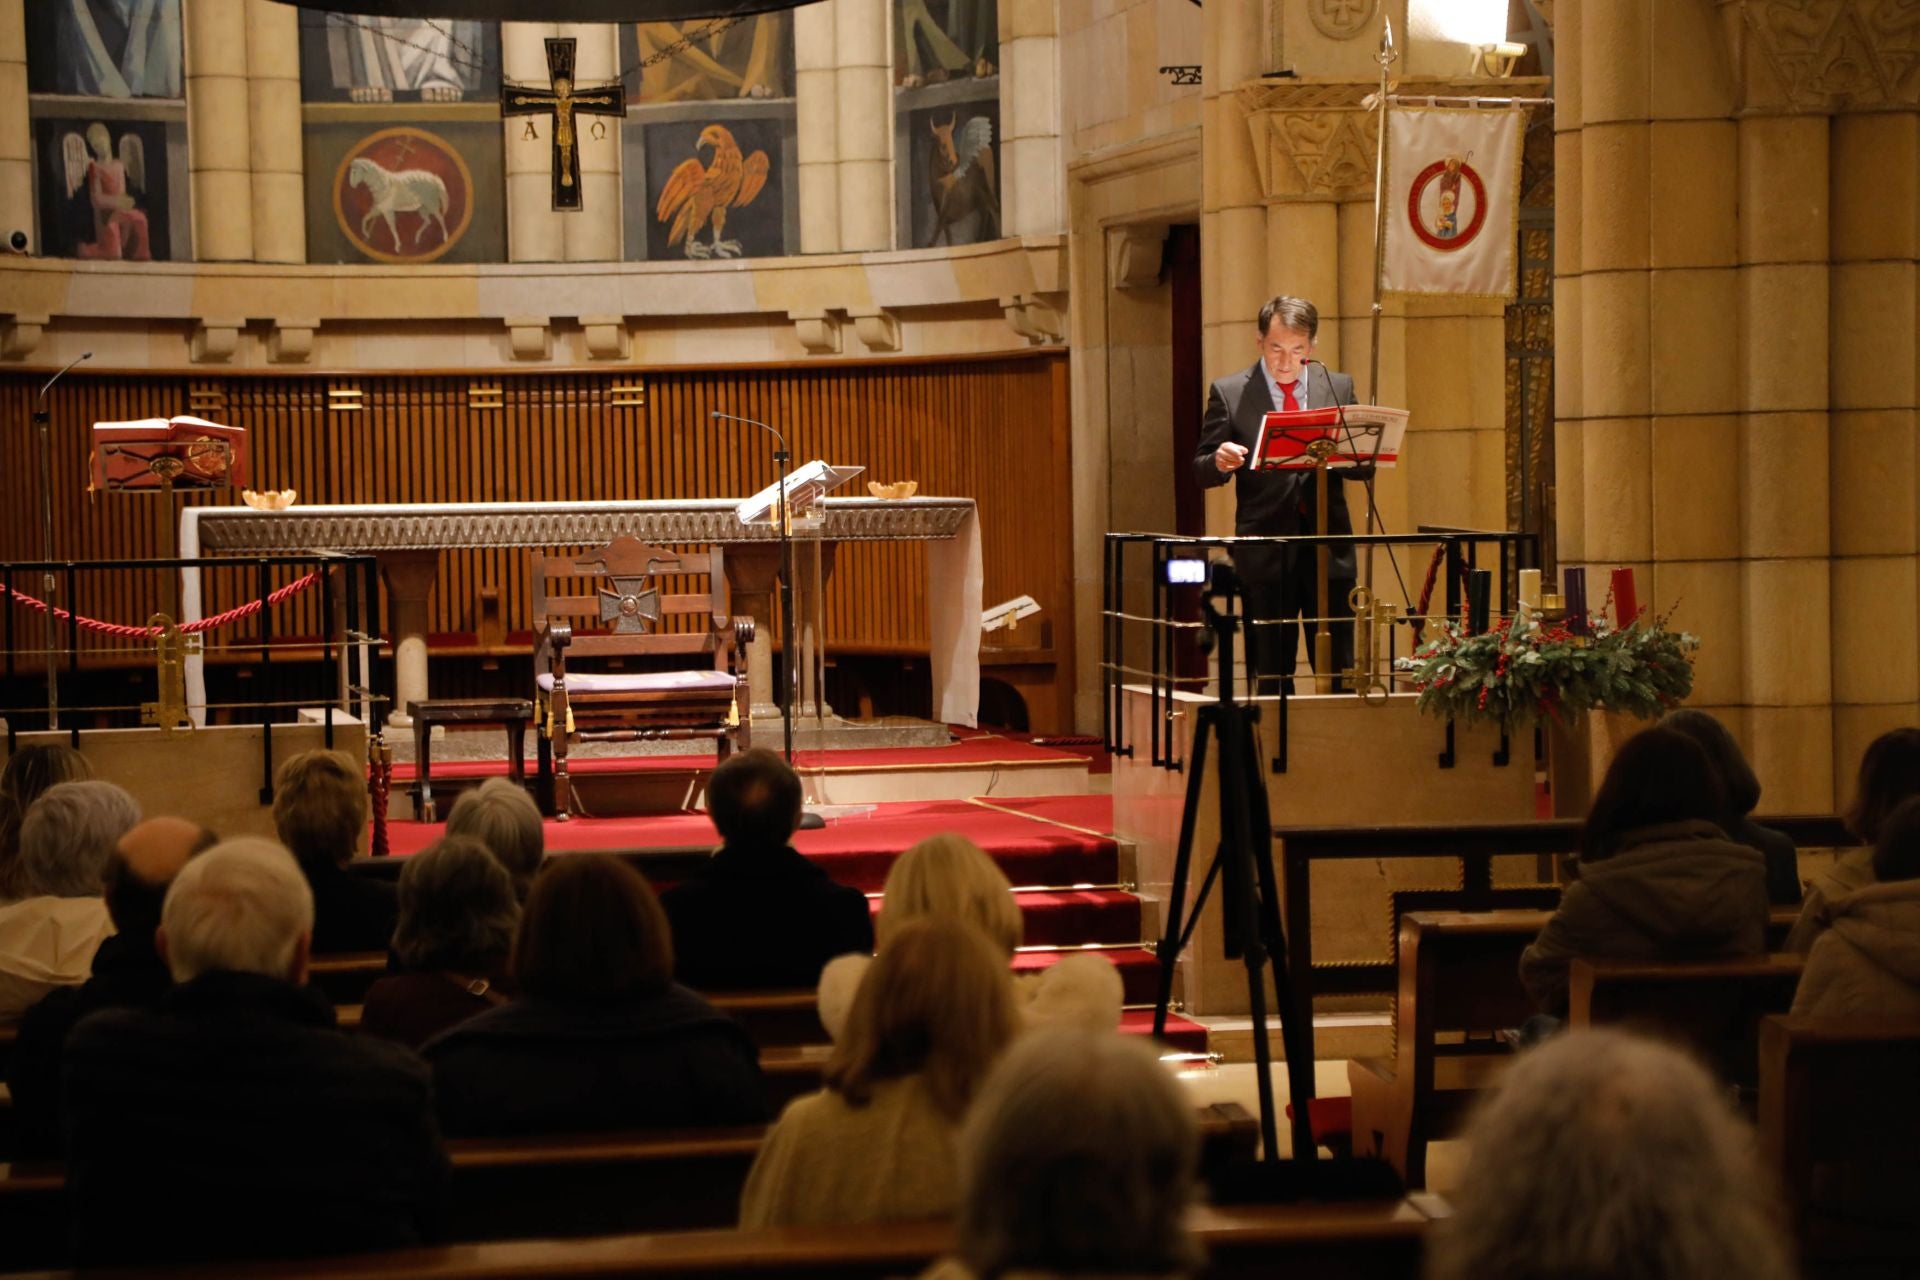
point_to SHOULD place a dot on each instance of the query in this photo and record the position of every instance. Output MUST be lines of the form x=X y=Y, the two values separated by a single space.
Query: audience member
x=30 y=770
x=1889 y=774
x=320 y=811
x=235 y=1119
x=457 y=916
x=1866 y=963
x=1078 y=1159
x=947 y=876
x=502 y=816
x=758 y=914
x=49 y=933
x=877 y=1144
x=1741 y=790
x=127 y=973
x=600 y=1036
x=1606 y=1155
x=1657 y=879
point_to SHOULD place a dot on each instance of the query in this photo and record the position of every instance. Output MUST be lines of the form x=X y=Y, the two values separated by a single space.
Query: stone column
x=535 y=231
x=863 y=103
x=410 y=577
x=16 y=137
x=1032 y=169
x=276 y=152
x=816 y=121
x=593 y=233
x=218 y=123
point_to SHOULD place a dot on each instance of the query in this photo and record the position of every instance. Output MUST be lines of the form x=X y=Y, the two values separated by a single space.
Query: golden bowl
x=898 y=489
x=269 y=500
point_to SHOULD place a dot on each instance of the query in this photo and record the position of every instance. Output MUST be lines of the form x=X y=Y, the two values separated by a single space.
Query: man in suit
x=1279 y=584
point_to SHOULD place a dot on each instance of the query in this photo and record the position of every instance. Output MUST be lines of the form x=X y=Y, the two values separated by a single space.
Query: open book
x=805 y=486
x=1359 y=434
x=208 y=455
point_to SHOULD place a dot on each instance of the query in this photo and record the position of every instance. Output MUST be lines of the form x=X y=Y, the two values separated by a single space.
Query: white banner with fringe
x=1453 y=200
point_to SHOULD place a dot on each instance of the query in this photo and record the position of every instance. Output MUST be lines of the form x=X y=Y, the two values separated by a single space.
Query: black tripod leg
x=1273 y=937
x=1175 y=937
x=1238 y=774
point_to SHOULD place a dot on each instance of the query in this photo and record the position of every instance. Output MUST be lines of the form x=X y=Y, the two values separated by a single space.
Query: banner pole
x=1385 y=57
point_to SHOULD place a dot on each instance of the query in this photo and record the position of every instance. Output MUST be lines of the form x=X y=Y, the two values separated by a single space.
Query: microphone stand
x=781 y=459
x=42 y=420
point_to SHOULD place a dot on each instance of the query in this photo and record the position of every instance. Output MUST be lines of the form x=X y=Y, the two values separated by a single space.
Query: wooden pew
x=1369 y=1241
x=562 y=1185
x=1713 y=1007
x=1459 y=974
x=1838 y=1105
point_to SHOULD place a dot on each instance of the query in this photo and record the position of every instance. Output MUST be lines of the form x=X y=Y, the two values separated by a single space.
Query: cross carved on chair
x=630 y=606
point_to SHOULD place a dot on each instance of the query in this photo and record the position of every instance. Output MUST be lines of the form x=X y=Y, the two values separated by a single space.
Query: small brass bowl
x=898 y=489
x=270 y=499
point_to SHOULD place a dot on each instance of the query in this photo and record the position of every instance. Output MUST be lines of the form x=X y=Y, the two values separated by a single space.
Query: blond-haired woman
x=933 y=1012
x=948 y=877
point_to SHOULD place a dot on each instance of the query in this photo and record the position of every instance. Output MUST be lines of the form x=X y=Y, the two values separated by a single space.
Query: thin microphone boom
x=84 y=355
x=752 y=422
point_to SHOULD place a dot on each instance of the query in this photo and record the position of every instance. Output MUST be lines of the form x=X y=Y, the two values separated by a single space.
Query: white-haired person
x=235 y=1119
x=933 y=1013
x=949 y=876
x=501 y=815
x=457 y=916
x=49 y=933
x=1603 y=1154
x=1079 y=1158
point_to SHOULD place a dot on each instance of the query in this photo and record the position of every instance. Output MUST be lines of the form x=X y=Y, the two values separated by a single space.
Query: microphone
x=752 y=422
x=84 y=355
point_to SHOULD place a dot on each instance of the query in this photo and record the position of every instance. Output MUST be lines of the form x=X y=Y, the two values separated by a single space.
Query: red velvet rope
x=246 y=610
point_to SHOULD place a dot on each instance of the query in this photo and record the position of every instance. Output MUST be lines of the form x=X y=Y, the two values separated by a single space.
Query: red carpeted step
x=1184 y=1035
x=1069 y=917
x=1139 y=970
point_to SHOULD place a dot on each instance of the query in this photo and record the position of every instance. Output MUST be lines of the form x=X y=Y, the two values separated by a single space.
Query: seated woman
x=1889 y=774
x=877 y=1144
x=1657 y=879
x=1866 y=963
x=948 y=877
x=457 y=915
x=1742 y=791
x=600 y=1036
x=49 y=934
x=29 y=772
x=502 y=816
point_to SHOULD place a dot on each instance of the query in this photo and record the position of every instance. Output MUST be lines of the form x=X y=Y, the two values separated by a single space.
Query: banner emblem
x=1434 y=205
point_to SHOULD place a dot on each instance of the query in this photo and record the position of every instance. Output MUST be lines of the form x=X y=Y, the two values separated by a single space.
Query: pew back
x=1713 y=1007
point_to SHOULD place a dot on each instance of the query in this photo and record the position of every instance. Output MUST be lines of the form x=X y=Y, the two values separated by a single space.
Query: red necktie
x=1292 y=404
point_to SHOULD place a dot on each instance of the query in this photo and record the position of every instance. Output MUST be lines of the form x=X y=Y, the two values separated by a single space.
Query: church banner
x=1453 y=201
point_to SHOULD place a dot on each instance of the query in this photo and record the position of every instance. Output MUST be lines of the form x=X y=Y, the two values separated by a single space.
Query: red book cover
x=208 y=455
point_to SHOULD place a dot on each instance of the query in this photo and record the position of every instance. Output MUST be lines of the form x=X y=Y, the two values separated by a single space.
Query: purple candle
x=1576 y=601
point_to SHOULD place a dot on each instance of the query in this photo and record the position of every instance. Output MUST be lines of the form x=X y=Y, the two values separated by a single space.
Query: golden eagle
x=697 y=194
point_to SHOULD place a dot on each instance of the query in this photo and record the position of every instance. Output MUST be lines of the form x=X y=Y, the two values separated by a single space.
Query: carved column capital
x=1824 y=56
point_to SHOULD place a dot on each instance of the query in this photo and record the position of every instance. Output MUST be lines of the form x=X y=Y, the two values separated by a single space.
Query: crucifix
x=562 y=102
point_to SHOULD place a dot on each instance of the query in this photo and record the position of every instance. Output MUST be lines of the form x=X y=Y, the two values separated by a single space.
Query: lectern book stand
x=164 y=456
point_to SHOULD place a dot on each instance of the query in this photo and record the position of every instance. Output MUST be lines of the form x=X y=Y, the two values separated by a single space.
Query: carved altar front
x=407 y=540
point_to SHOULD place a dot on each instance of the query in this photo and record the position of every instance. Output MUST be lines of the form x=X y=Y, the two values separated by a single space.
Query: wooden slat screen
x=995 y=430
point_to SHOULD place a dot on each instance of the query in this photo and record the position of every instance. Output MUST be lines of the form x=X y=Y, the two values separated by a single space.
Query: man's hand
x=1230 y=457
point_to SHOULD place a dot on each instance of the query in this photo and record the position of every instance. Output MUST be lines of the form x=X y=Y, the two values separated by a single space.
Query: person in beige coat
x=1657 y=879
x=1866 y=964
x=1889 y=774
x=933 y=1012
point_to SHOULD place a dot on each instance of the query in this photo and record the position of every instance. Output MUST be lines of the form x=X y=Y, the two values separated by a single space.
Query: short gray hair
x=503 y=817
x=1604 y=1154
x=1078 y=1156
x=457 y=908
x=242 y=906
x=68 y=836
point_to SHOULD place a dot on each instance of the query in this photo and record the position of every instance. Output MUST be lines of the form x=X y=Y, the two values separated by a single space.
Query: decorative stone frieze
x=1826 y=55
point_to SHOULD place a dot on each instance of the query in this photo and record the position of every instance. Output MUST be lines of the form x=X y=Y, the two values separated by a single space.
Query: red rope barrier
x=246 y=610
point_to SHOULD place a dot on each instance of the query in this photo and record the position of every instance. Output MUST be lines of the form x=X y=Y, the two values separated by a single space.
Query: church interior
x=569 y=569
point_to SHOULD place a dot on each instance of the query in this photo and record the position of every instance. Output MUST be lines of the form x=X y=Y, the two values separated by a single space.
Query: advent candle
x=1530 y=588
x=1479 y=592
x=1576 y=597
x=1626 y=605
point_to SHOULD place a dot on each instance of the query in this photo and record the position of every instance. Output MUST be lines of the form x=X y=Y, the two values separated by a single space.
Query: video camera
x=1215 y=577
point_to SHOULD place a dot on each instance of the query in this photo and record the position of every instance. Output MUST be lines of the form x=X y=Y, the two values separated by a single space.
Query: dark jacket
x=1678 y=891
x=413 y=1008
x=127 y=973
x=350 y=913
x=762 y=919
x=1273 y=503
x=235 y=1120
x=1783 y=860
x=665 y=1061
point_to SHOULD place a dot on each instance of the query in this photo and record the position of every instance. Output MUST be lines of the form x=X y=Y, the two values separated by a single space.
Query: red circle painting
x=1434 y=204
x=403 y=195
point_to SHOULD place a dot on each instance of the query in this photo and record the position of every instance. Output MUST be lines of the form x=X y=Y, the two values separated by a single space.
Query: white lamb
x=405 y=191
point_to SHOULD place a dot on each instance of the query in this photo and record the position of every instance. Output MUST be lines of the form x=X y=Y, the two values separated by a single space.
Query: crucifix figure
x=563 y=102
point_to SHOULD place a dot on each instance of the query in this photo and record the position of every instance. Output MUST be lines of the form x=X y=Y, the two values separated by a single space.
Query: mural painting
x=103 y=187
x=720 y=192
x=348 y=57
x=104 y=48
x=946 y=77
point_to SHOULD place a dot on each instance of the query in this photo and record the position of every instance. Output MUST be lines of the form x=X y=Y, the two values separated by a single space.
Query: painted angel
x=119 y=225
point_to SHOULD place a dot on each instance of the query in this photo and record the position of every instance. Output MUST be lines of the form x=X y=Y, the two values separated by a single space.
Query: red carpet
x=1090 y=813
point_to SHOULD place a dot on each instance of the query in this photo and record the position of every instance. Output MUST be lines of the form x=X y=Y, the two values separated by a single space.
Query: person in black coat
x=1279 y=583
x=127 y=973
x=601 y=1038
x=234 y=1119
x=1742 y=792
x=758 y=914
x=320 y=812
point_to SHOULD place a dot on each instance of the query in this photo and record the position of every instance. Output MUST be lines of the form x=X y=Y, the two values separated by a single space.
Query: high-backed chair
x=620 y=656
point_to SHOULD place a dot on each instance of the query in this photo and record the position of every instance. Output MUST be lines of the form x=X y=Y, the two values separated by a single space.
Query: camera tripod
x=1243 y=863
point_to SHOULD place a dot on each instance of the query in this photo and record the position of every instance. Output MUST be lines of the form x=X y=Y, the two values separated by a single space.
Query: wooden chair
x=1713 y=1007
x=1459 y=989
x=694 y=682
